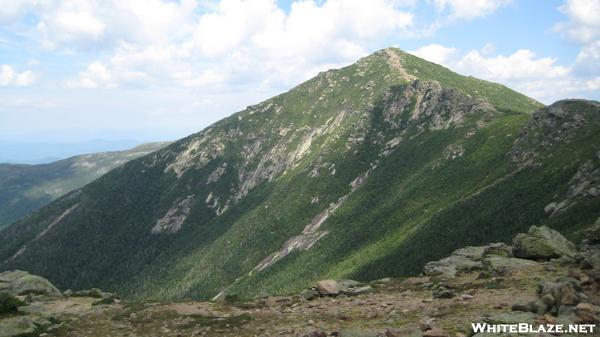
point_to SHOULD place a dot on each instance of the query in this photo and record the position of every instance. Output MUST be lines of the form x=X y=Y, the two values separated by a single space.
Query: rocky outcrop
x=172 y=221
x=31 y=306
x=495 y=257
x=542 y=243
x=565 y=299
x=559 y=123
x=20 y=283
x=451 y=266
x=334 y=288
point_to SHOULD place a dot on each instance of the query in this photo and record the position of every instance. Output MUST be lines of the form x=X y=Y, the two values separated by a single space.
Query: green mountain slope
x=26 y=188
x=365 y=171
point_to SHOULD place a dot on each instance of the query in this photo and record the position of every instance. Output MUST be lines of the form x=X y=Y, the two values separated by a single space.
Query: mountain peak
x=347 y=174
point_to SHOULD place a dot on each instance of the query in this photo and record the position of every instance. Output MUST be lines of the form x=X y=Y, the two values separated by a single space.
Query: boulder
x=470 y=252
x=501 y=264
x=542 y=243
x=466 y=259
x=352 y=288
x=328 y=287
x=451 y=266
x=354 y=291
x=22 y=283
x=309 y=294
x=442 y=292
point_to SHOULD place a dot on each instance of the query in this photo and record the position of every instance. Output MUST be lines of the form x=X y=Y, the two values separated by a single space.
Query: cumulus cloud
x=92 y=24
x=9 y=77
x=435 y=53
x=14 y=9
x=539 y=77
x=583 y=25
x=522 y=64
x=254 y=40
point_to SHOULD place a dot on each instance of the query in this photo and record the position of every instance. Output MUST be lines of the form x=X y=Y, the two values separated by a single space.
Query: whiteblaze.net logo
x=529 y=328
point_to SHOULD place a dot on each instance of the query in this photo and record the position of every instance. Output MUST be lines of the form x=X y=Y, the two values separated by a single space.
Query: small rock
x=465 y=297
x=426 y=324
x=443 y=293
x=521 y=307
x=435 y=332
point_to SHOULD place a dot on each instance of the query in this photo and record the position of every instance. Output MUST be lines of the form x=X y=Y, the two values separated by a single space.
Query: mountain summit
x=361 y=172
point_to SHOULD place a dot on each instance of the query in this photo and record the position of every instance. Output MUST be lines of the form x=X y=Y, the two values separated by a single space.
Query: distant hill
x=362 y=172
x=35 y=153
x=25 y=188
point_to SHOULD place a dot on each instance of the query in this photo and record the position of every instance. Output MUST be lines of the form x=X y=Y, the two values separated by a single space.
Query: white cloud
x=9 y=77
x=435 y=53
x=14 y=9
x=253 y=41
x=72 y=22
x=584 y=23
x=469 y=9
x=93 y=24
x=522 y=64
x=539 y=77
x=588 y=59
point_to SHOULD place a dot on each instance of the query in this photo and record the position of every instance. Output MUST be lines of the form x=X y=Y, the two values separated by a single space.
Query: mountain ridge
x=357 y=173
x=27 y=187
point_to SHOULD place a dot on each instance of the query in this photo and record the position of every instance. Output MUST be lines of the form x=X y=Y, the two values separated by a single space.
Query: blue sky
x=80 y=70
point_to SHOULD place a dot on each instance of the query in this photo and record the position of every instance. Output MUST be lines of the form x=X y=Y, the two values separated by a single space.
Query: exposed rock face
x=22 y=283
x=542 y=243
x=559 y=122
x=584 y=185
x=172 y=221
x=433 y=107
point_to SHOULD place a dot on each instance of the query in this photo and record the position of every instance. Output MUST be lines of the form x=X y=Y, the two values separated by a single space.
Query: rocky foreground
x=541 y=278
